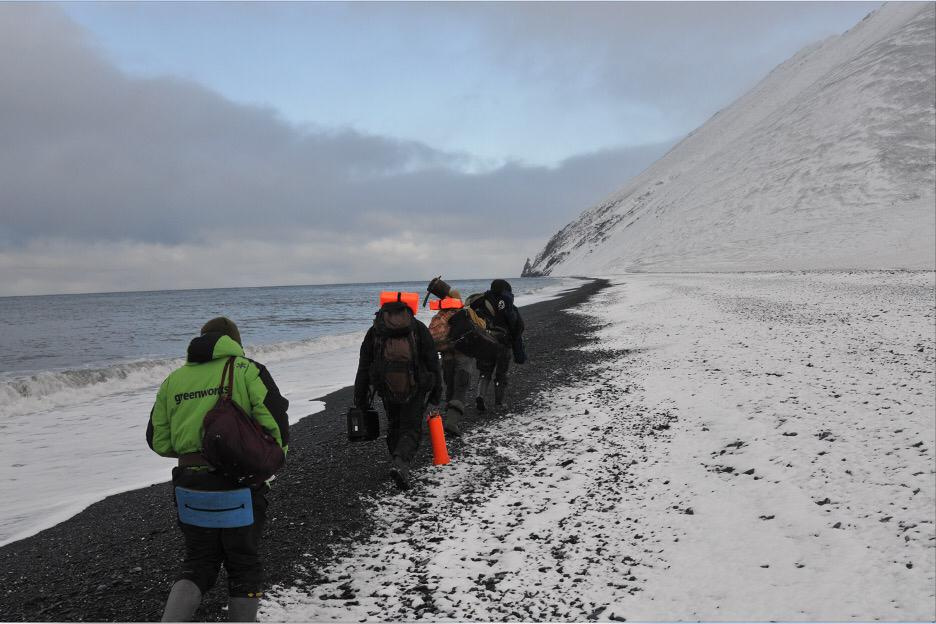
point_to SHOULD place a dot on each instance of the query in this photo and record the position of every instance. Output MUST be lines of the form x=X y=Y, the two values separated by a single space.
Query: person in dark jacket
x=175 y=430
x=398 y=361
x=497 y=307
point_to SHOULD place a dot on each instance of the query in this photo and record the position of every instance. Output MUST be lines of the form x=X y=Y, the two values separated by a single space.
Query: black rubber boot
x=184 y=598
x=500 y=391
x=242 y=609
x=400 y=473
x=453 y=413
x=483 y=384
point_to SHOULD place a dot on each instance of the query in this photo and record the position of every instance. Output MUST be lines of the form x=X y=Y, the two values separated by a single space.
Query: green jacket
x=188 y=393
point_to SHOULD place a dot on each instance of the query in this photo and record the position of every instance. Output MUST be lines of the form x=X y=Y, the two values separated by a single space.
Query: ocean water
x=78 y=375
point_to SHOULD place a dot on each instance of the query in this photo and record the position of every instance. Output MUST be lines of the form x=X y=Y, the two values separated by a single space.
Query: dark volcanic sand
x=117 y=559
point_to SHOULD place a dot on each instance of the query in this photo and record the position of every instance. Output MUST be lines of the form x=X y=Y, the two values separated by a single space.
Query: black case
x=363 y=425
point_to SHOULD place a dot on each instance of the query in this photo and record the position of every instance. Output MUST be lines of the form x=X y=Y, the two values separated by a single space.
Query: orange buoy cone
x=440 y=455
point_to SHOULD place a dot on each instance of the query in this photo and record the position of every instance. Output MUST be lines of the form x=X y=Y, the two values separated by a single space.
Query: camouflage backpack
x=439 y=328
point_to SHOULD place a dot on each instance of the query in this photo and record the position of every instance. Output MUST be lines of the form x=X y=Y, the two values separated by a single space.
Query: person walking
x=175 y=430
x=497 y=307
x=398 y=361
x=456 y=366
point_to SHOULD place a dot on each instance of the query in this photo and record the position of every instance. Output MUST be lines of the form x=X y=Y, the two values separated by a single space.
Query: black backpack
x=471 y=340
x=394 y=372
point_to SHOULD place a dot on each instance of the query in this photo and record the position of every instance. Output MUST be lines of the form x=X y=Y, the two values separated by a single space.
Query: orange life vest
x=409 y=298
x=446 y=304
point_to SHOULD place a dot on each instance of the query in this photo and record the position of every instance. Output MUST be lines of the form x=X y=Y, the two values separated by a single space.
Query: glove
x=519 y=354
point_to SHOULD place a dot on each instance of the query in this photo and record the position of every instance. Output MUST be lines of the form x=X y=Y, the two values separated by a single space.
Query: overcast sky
x=180 y=145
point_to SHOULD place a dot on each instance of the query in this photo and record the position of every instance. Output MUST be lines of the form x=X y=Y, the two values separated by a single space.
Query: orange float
x=411 y=299
x=446 y=304
x=440 y=455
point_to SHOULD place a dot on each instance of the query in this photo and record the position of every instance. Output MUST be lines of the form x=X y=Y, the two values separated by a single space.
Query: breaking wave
x=29 y=393
x=26 y=394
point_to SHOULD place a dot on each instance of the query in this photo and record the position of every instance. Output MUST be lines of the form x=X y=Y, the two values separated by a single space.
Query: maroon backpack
x=234 y=443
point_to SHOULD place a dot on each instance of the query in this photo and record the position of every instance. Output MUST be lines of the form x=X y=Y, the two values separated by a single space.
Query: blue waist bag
x=227 y=509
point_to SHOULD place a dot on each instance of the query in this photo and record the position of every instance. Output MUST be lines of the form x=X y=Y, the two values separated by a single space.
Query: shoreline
x=73 y=570
x=67 y=466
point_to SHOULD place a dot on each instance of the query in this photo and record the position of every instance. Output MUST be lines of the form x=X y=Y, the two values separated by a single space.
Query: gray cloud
x=683 y=60
x=97 y=164
x=112 y=182
x=306 y=257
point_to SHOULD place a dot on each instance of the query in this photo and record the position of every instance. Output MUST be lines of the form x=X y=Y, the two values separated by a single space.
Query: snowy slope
x=827 y=163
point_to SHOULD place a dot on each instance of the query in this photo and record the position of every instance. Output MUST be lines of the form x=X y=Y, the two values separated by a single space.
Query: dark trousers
x=456 y=375
x=404 y=429
x=206 y=550
x=497 y=368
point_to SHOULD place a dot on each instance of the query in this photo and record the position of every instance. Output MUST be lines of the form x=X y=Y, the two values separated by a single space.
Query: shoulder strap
x=415 y=360
x=228 y=371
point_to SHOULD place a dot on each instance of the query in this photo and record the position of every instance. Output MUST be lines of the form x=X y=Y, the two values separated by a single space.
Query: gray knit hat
x=222 y=325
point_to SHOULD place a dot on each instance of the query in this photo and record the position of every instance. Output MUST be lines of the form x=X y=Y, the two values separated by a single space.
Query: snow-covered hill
x=827 y=163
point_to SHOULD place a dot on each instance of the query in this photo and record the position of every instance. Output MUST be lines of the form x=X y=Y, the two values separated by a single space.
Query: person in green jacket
x=175 y=430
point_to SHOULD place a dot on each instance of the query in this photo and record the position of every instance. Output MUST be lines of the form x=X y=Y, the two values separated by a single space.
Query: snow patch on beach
x=531 y=511
x=753 y=447
x=804 y=445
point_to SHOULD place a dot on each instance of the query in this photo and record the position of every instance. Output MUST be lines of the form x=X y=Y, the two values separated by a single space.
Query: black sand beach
x=117 y=559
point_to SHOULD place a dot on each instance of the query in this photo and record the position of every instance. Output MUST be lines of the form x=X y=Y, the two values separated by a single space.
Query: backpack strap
x=380 y=343
x=415 y=343
x=228 y=371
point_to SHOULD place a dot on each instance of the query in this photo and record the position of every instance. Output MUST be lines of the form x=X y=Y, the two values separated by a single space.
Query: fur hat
x=222 y=325
x=500 y=286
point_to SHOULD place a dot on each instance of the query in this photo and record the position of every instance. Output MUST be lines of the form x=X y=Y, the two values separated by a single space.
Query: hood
x=500 y=286
x=212 y=346
x=507 y=297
